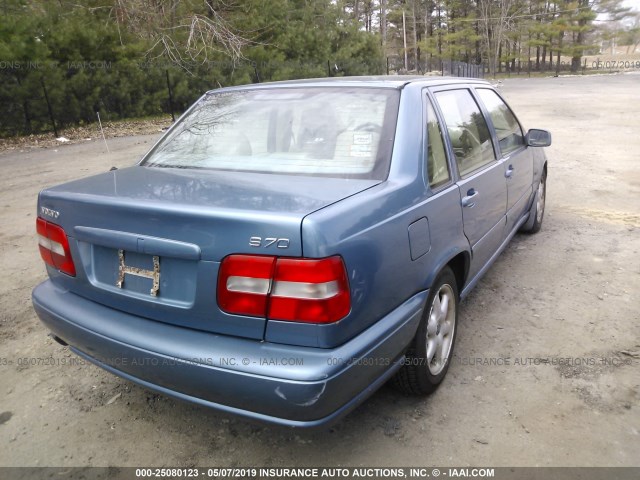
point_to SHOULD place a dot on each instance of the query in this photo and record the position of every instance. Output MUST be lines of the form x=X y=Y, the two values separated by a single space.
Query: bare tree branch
x=184 y=36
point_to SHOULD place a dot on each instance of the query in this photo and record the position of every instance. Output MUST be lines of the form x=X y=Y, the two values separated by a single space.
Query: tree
x=495 y=16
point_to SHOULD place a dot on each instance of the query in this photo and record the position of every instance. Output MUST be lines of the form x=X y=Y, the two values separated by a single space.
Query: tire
x=537 y=209
x=421 y=375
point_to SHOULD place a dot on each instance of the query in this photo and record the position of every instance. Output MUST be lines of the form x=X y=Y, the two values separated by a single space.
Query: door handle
x=509 y=172
x=468 y=200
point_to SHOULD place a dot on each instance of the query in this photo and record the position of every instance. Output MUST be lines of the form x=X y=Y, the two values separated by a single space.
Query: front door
x=517 y=158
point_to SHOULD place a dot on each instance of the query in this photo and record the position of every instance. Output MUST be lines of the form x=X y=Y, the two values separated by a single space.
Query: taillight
x=307 y=290
x=54 y=247
x=244 y=282
x=297 y=290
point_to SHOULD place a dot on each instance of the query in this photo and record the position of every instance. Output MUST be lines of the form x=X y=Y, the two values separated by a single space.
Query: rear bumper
x=283 y=384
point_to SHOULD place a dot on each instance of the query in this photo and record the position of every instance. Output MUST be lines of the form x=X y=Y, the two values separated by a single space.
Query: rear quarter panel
x=370 y=231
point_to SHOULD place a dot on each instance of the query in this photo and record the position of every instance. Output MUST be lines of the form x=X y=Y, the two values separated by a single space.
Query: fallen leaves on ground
x=120 y=128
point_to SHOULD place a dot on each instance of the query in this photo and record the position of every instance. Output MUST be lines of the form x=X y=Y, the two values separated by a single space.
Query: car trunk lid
x=148 y=241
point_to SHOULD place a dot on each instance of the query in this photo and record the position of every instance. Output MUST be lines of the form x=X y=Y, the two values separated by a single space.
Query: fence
x=47 y=97
x=515 y=67
x=451 y=68
x=36 y=98
x=591 y=64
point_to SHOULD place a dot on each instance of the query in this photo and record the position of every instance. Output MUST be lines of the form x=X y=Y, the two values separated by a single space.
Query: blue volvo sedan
x=287 y=248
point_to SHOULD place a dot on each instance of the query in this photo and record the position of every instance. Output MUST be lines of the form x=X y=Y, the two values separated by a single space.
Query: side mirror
x=538 y=138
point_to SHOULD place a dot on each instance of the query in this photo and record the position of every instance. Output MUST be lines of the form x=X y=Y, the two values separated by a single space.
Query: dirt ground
x=546 y=369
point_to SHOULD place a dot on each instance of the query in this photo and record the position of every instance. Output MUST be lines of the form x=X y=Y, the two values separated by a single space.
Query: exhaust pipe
x=59 y=340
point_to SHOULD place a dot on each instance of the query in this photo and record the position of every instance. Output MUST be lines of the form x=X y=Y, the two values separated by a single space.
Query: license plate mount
x=154 y=275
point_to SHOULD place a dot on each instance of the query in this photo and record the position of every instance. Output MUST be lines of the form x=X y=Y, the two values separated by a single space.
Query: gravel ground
x=571 y=291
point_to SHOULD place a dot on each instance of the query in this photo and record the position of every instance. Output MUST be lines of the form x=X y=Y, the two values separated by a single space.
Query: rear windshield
x=335 y=132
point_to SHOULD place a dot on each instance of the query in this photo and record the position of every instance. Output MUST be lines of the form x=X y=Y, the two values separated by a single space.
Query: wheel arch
x=458 y=261
x=460 y=267
x=544 y=168
x=528 y=225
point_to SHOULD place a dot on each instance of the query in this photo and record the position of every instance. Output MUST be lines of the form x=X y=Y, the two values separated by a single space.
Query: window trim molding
x=471 y=90
x=427 y=99
x=494 y=133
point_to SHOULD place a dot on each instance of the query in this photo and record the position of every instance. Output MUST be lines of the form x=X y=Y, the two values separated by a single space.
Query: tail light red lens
x=306 y=290
x=54 y=247
x=297 y=290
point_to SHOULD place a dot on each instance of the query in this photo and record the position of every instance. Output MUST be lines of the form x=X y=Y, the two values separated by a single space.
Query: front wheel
x=537 y=209
x=428 y=357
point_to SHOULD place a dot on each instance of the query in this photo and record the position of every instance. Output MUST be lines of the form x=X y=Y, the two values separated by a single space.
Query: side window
x=467 y=129
x=507 y=127
x=437 y=166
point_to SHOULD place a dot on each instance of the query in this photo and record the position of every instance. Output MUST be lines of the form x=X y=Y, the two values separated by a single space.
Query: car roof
x=384 y=81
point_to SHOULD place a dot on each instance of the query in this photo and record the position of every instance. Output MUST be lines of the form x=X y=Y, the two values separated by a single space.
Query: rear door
x=517 y=159
x=481 y=177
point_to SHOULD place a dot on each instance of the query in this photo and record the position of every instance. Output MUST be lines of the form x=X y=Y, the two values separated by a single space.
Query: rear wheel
x=428 y=357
